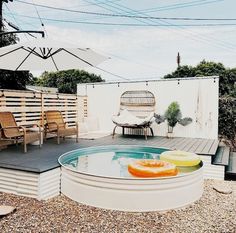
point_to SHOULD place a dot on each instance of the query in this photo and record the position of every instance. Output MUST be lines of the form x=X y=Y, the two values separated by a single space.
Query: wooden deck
x=44 y=159
x=37 y=173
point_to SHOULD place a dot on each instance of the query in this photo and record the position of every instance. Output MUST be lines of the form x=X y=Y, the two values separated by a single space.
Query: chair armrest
x=54 y=123
x=31 y=125
x=11 y=127
x=14 y=127
x=76 y=123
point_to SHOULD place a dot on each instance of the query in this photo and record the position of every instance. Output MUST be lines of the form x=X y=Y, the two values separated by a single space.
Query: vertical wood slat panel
x=29 y=106
x=82 y=108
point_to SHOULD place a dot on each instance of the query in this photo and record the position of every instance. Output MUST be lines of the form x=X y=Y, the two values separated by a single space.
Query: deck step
x=222 y=156
x=230 y=173
x=231 y=168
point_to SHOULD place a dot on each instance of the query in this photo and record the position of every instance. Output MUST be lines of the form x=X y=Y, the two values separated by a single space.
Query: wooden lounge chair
x=11 y=133
x=4 y=142
x=56 y=125
x=136 y=111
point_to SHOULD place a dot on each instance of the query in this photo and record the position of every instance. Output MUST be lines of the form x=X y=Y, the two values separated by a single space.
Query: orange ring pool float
x=152 y=168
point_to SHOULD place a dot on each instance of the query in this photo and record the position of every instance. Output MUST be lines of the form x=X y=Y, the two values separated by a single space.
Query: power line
x=109 y=5
x=128 y=16
x=179 y=6
x=196 y=36
x=128 y=24
x=154 y=9
x=40 y=19
x=218 y=44
x=16 y=27
x=115 y=75
x=169 y=24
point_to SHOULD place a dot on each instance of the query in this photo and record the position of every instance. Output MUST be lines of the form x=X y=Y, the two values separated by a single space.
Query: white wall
x=198 y=99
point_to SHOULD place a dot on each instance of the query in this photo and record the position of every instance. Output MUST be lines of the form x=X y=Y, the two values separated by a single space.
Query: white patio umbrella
x=48 y=55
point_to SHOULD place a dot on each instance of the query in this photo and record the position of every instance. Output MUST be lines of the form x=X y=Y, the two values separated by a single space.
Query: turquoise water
x=109 y=161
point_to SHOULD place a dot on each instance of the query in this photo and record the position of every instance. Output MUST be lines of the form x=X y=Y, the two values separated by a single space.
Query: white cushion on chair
x=126 y=118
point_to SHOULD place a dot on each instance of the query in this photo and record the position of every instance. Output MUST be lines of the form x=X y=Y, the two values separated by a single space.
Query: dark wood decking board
x=44 y=159
x=180 y=142
x=191 y=142
x=201 y=146
x=184 y=144
x=173 y=142
x=222 y=156
x=214 y=147
x=161 y=142
x=196 y=145
x=207 y=147
x=225 y=158
x=170 y=142
x=232 y=163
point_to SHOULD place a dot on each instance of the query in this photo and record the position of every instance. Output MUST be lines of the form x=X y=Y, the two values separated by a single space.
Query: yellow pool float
x=180 y=158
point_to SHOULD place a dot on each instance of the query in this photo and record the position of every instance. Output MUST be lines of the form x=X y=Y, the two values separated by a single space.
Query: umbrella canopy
x=48 y=55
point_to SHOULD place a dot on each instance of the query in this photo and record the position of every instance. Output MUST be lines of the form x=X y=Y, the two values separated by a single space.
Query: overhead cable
x=128 y=24
x=125 y=15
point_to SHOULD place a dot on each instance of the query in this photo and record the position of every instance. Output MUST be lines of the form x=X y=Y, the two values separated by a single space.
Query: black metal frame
x=23 y=31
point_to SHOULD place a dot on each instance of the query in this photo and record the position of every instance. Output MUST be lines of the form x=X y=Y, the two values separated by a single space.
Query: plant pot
x=170 y=129
x=170 y=133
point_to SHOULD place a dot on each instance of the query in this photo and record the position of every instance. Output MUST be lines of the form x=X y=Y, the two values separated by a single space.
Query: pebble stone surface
x=214 y=212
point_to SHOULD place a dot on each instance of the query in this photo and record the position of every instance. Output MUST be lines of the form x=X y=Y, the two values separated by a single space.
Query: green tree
x=208 y=68
x=66 y=81
x=13 y=79
x=228 y=83
x=182 y=72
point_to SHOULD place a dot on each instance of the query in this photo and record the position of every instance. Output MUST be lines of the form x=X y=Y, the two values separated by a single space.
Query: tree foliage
x=227 y=119
x=66 y=81
x=16 y=80
x=8 y=39
x=13 y=79
x=208 y=68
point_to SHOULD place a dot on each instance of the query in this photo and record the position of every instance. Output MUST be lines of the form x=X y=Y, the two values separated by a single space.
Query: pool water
x=112 y=161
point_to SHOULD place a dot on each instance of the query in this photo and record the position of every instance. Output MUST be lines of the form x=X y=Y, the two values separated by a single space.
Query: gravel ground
x=214 y=212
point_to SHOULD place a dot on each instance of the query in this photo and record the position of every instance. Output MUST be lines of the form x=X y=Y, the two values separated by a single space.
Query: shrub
x=227 y=119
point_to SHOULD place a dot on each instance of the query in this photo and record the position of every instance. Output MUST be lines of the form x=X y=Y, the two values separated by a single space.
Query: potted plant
x=173 y=116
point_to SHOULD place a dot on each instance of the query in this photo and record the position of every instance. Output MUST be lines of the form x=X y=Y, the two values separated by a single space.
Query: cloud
x=138 y=52
x=152 y=51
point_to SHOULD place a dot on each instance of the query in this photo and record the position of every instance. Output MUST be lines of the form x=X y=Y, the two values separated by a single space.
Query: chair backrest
x=7 y=119
x=54 y=116
x=140 y=103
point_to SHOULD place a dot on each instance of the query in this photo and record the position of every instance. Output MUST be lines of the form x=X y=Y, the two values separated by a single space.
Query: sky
x=142 y=48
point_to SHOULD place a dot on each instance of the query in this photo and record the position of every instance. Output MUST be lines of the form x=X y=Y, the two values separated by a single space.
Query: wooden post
x=42 y=110
x=77 y=108
x=23 y=113
x=2 y=99
x=85 y=106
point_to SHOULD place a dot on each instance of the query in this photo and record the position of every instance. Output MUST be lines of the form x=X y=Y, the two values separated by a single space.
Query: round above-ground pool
x=98 y=176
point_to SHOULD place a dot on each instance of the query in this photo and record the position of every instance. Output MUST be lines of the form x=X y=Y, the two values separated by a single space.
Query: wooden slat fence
x=82 y=107
x=28 y=107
